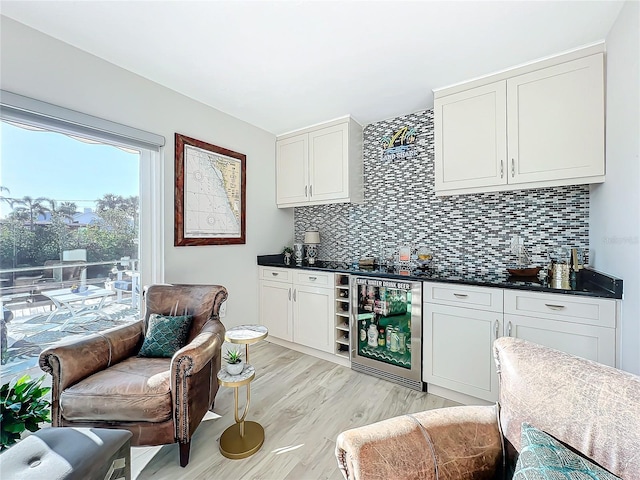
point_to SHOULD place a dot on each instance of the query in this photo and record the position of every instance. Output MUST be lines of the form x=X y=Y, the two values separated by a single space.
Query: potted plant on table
x=287 y=252
x=22 y=407
x=235 y=364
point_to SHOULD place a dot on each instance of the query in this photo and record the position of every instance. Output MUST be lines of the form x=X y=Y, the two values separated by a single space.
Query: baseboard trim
x=330 y=357
x=462 y=398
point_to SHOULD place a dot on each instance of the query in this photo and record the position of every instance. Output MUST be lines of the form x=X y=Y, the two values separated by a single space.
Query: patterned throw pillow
x=544 y=458
x=165 y=335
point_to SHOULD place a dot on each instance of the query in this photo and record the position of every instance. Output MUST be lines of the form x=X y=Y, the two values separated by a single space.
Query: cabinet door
x=457 y=349
x=329 y=163
x=587 y=341
x=276 y=311
x=556 y=122
x=471 y=138
x=292 y=175
x=313 y=317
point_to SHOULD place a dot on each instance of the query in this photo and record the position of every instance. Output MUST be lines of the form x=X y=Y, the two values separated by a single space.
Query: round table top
x=246 y=334
x=227 y=380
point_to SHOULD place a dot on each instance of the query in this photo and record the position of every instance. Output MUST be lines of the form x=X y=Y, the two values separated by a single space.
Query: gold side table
x=244 y=438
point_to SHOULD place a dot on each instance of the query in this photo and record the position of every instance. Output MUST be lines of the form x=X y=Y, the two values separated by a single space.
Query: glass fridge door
x=384 y=321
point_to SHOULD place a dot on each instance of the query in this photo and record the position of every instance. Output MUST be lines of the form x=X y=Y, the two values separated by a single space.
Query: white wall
x=615 y=205
x=38 y=66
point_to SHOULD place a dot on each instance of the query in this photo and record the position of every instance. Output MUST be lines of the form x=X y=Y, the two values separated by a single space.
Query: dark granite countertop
x=589 y=283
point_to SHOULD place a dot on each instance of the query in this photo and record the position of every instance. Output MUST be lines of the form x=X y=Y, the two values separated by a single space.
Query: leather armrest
x=444 y=444
x=190 y=359
x=192 y=384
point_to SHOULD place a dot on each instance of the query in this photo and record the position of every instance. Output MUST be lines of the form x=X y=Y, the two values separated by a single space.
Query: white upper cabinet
x=471 y=138
x=556 y=122
x=329 y=163
x=292 y=169
x=535 y=126
x=319 y=165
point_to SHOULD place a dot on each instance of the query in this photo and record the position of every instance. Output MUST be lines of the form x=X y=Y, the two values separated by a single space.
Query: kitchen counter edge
x=595 y=284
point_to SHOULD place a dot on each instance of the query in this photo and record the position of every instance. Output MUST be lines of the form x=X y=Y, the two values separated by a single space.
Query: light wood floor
x=303 y=403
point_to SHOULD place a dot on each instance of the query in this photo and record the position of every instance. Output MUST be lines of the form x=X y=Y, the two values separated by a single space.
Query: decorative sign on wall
x=399 y=145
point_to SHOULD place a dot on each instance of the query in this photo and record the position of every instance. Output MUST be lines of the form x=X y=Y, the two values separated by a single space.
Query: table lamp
x=312 y=240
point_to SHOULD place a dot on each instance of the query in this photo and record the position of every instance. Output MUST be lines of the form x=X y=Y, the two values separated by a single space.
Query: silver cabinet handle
x=554 y=307
x=509 y=330
x=310 y=190
x=501 y=168
x=305 y=191
x=313 y=279
x=275 y=274
x=513 y=168
x=294 y=295
x=497 y=327
x=460 y=295
x=289 y=293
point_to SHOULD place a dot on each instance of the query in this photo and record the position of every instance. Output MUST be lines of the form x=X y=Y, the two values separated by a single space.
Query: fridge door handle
x=294 y=295
x=289 y=293
x=497 y=328
x=509 y=330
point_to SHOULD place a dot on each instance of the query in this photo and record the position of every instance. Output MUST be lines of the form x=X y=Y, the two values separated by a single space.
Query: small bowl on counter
x=524 y=272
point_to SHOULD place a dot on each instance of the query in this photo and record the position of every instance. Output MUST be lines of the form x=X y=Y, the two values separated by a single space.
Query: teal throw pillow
x=545 y=458
x=165 y=335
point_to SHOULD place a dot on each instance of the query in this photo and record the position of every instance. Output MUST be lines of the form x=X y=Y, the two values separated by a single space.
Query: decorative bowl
x=524 y=272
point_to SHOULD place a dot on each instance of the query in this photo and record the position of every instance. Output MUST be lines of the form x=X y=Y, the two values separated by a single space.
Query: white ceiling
x=283 y=65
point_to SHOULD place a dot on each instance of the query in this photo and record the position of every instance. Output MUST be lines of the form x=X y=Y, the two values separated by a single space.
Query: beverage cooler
x=386 y=329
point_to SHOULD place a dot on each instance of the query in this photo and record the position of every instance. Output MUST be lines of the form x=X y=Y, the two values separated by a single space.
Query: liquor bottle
x=362 y=300
x=402 y=341
x=363 y=334
x=372 y=335
x=395 y=340
x=381 y=338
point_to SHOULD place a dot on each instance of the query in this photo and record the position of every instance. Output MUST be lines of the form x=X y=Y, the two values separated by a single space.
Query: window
x=80 y=223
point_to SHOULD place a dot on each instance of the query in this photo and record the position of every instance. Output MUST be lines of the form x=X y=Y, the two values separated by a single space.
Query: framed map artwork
x=210 y=194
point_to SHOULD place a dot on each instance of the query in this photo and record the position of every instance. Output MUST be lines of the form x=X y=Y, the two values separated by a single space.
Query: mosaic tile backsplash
x=464 y=232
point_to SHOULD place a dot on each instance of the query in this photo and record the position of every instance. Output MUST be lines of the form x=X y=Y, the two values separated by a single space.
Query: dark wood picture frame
x=181 y=238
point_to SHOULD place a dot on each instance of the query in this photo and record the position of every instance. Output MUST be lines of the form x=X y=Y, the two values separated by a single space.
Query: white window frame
x=151 y=217
x=25 y=110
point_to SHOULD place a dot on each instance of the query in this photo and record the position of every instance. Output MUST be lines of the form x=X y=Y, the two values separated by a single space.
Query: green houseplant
x=22 y=407
x=235 y=365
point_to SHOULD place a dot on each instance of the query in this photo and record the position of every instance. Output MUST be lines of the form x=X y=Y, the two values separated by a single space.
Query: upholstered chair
x=99 y=381
x=592 y=408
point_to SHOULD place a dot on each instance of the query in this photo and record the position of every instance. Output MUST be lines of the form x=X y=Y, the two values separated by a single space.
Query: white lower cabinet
x=458 y=349
x=585 y=327
x=460 y=324
x=298 y=308
x=276 y=309
x=586 y=341
x=312 y=313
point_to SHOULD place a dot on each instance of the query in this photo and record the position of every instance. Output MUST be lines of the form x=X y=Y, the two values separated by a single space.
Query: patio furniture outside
x=76 y=303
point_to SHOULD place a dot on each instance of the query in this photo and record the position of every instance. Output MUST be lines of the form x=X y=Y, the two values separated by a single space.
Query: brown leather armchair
x=98 y=381
x=593 y=408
